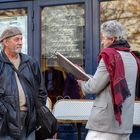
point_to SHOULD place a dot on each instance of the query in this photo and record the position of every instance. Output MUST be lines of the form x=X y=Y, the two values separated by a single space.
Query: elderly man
x=17 y=107
x=114 y=83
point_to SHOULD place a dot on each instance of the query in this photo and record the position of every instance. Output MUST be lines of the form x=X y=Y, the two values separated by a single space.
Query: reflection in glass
x=128 y=13
x=16 y=17
x=62 y=31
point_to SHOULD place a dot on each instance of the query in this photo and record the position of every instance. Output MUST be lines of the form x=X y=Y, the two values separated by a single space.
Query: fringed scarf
x=115 y=67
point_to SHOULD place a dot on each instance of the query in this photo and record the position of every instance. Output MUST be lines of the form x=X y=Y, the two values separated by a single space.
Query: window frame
x=91 y=38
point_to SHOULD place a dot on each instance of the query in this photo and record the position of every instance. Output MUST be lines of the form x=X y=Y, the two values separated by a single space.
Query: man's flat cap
x=9 y=32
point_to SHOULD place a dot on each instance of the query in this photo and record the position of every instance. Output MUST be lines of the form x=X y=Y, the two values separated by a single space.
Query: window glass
x=16 y=17
x=128 y=13
x=62 y=31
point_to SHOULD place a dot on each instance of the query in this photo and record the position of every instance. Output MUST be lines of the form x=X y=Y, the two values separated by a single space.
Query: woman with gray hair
x=113 y=29
x=114 y=84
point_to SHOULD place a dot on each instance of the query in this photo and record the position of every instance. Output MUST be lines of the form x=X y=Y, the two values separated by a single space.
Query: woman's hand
x=79 y=82
x=80 y=67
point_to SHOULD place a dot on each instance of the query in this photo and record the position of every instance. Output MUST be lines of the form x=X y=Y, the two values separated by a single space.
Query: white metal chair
x=73 y=111
x=136 y=118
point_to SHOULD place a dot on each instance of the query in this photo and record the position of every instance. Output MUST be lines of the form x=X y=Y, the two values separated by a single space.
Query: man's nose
x=20 y=41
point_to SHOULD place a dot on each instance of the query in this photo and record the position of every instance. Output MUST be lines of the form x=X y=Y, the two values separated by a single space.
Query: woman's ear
x=113 y=39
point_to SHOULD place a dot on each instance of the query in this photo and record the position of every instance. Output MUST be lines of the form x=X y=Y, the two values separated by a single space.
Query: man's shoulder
x=29 y=58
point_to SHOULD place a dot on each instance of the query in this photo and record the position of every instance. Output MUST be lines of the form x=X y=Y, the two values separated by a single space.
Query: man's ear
x=5 y=42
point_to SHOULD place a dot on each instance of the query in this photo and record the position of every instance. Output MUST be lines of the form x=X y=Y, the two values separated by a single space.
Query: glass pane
x=128 y=13
x=62 y=31
x=16 y=17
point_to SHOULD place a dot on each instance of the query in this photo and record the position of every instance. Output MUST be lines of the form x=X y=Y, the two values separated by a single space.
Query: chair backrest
x=136 y=118
x=70 y=108
x=66 y=108
x=49 y=103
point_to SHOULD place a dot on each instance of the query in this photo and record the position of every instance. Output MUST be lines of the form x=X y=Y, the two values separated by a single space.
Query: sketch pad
x=72 y=68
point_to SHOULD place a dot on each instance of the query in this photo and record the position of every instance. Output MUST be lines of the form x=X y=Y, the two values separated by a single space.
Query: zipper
x=18 y=107
x=27 y=96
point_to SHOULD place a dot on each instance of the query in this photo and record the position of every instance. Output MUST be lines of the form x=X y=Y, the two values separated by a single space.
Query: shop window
x=128 y=13
x=15 y=17
x=62 y=31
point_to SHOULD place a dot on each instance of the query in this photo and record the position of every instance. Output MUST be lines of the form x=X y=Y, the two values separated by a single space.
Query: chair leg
x=79 y=130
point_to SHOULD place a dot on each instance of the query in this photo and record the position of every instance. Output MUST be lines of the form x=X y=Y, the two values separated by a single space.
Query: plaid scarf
x=115 y=67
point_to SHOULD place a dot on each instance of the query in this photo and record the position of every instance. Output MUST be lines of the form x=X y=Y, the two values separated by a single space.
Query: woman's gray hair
x=113 y=28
